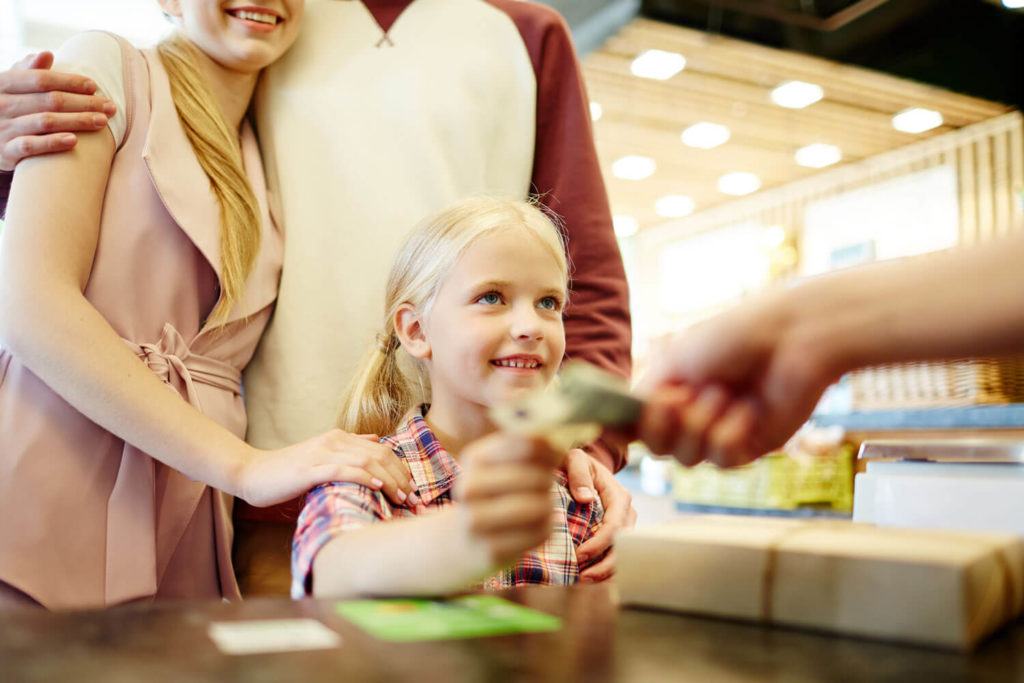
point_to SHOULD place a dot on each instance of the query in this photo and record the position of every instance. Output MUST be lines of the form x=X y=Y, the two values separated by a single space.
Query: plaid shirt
x=331 y=509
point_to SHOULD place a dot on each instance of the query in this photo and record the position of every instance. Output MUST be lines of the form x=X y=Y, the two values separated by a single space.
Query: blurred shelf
x=1007 y=416
x=800 y=512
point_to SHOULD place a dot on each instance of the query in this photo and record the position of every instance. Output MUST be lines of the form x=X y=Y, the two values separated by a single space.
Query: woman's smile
x=256 y=18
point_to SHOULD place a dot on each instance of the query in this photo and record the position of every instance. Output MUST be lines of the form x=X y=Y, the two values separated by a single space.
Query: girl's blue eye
x=490 y=298
x=549 y=303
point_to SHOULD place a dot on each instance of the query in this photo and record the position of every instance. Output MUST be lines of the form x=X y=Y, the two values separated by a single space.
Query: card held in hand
x=573 y=410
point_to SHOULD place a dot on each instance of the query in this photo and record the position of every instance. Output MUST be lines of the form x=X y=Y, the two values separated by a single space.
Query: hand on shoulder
x=40 y=110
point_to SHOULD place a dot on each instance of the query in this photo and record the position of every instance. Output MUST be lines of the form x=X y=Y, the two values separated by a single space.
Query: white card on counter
x=271 y=635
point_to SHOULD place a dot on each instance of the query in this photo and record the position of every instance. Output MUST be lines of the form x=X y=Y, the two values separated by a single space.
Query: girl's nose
x=526 y=324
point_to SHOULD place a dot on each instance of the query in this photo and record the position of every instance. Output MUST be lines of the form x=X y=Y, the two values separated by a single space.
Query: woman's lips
x=256 y=18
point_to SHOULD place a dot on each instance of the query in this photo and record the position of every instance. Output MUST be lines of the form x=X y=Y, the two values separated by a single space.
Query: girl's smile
x=519 y=364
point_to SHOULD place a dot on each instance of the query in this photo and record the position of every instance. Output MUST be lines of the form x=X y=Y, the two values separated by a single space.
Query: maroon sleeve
x=567 y=175
x=5 y=191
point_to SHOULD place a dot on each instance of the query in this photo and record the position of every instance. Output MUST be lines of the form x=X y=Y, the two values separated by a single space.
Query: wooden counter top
x=599 y=642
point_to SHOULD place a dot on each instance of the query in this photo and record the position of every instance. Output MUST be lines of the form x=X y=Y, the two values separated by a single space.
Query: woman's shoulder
x=92 y=42
x=99 y=55
x=95 y=52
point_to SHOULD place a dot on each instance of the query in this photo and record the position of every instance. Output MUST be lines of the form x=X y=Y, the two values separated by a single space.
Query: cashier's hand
x=587 y=478
x=40 y=110
x=504 y=494
x=734 y=387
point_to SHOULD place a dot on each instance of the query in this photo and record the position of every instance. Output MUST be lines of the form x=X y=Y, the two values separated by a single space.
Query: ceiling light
x=739 y=183
x=705 y=135
x=1013 y=4
x=595 y=111
x=674 y=206
x=658 y=64
x=818 y=155
x=916 y=120
x=773 y=236
x=633 y=167
x=625 y=226
x=797 y=94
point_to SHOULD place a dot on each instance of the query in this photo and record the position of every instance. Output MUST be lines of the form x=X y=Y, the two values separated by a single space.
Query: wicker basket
x=934 y=384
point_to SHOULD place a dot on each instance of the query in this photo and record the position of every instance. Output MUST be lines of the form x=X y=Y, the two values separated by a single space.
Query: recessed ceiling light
x=674 y=206
x=818 y=155
x=916 y=120
x=596 y=110
x=633 y=167
x=625 y=226
x=773 y=236
x=658 y=64
x=797 y=94
x=705 y=135
x=739 y=183
x=1013 y=4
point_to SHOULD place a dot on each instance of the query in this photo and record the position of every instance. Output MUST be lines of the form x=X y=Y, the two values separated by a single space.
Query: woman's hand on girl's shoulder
x=504 y=491
x=270 y=477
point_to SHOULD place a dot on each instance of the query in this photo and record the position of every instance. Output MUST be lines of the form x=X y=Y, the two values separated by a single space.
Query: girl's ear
x=409 y=328
x=171 y=7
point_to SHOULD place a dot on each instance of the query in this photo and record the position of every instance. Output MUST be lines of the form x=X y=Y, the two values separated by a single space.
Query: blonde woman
x=137 y=274
x=473 y=318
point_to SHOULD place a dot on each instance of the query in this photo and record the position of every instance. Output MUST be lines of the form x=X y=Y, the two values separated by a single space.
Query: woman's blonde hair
x=386 y=386
x=220 y=155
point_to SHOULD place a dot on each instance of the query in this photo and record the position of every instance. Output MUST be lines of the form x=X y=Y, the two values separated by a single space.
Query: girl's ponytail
x=379 y=395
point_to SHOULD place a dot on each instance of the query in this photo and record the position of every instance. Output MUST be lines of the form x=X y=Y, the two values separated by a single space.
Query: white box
x=946 y=495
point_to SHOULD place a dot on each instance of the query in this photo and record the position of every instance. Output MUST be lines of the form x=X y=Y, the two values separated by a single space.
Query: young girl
x=137 y=271
x=474 y=318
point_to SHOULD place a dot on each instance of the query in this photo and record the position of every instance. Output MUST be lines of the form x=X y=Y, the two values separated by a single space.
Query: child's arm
x=503 y=510
x=427 y=555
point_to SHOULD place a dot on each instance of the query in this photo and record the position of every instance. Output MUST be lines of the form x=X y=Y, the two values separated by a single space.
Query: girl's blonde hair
x=219 y=153
x=385 y=386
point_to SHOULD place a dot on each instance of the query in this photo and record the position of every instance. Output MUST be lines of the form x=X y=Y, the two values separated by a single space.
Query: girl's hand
x=269 y=477
x=505 y=494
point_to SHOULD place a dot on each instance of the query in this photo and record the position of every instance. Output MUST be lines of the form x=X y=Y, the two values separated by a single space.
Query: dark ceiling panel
x=968 y=46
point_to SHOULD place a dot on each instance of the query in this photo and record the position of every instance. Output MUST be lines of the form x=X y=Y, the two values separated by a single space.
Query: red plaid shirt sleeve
x=330 y=510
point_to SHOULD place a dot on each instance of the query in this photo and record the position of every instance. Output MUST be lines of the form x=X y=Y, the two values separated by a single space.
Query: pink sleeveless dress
x=87 y=520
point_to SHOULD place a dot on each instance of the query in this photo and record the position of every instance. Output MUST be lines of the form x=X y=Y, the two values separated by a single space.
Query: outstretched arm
x=503 y=509
x=740 y=384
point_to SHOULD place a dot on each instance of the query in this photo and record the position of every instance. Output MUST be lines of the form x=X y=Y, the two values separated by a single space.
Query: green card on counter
x=470 y=616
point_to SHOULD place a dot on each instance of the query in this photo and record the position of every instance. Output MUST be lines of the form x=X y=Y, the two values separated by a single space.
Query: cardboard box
x=943 y=589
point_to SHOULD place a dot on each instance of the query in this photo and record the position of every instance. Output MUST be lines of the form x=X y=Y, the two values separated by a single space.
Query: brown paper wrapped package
x=936 y=588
